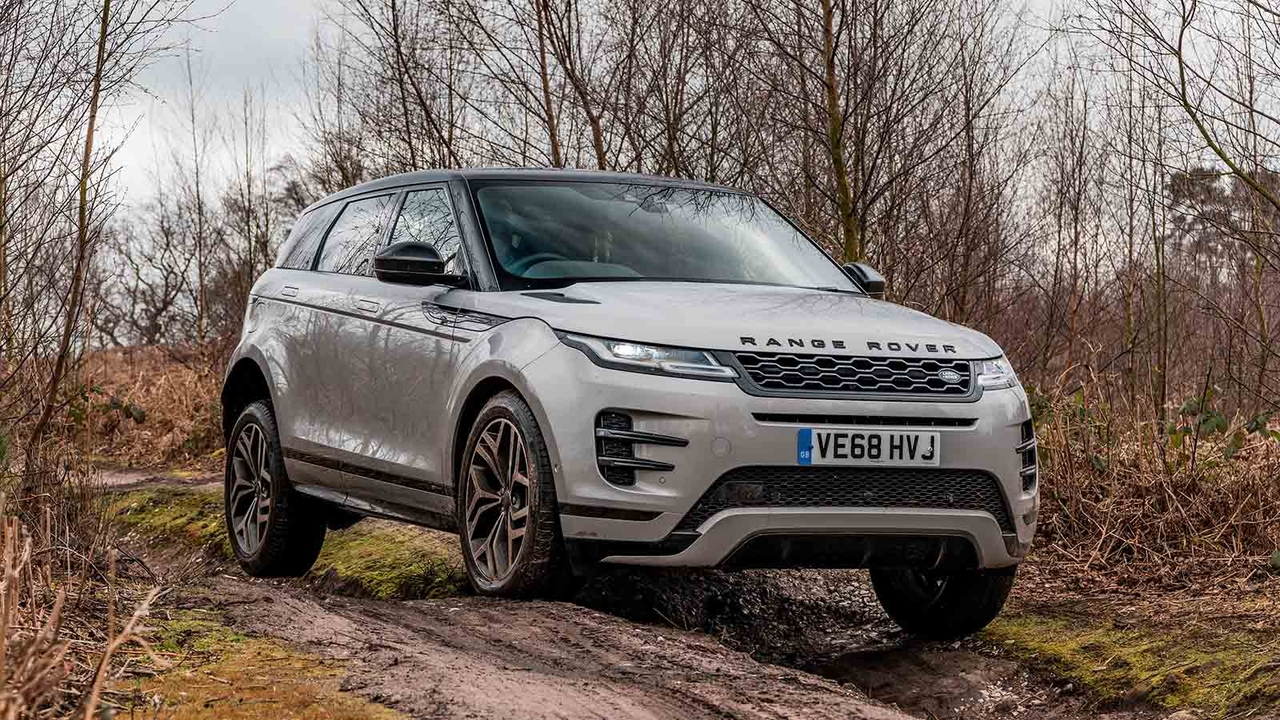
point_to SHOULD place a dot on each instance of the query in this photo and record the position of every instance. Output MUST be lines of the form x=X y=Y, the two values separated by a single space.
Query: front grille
x=868 y=375
x=784 y=486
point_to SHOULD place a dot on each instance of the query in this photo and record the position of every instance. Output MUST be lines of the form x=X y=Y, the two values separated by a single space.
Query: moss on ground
x=216 y=672
x=185 y=516
x=371 y=559
x=388 y=561
x=1217 y=672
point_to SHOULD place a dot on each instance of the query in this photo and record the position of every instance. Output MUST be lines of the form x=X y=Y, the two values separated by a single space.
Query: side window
x=300 y=249
x=427 y=218
x=348 y=249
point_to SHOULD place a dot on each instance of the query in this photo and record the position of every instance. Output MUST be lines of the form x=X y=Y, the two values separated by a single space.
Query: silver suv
x=571 y=368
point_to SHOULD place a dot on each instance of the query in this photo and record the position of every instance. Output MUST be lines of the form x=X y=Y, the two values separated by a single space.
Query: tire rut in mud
x=828 y=622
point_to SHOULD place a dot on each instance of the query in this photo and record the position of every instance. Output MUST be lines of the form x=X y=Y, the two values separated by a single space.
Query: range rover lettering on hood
x=878 y=346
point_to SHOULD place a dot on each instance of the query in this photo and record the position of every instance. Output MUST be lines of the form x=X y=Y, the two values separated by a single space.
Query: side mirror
x=867 y=278
x=412 y=263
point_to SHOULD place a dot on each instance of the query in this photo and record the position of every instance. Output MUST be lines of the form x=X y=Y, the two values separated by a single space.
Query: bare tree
x=65 y=60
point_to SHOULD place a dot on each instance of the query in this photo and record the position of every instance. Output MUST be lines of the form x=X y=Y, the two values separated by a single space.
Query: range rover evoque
x=571 y=368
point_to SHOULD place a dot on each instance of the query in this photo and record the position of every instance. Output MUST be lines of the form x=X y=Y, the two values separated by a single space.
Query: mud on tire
x=506 y=508
x=285 y=540
x=942 y=606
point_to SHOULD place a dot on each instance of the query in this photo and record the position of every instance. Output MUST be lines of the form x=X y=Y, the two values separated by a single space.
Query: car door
x=329 y=381
x=404 y=356
x=295 y=362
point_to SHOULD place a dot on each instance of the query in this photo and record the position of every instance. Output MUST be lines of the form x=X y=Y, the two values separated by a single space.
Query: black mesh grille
x=614 y=421
x=782 y=486
x=1028 y=458
x=840 y=374
x=606 y=447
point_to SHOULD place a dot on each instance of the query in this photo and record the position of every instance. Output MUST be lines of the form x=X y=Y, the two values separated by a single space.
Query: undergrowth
x=1137 y=497
x=147 y=407
x=1192 y=498
x=68 y=621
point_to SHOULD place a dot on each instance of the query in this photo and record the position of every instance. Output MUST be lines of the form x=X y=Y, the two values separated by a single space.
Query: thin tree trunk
x=201 y=242
x=401 y=71
x=850 y=240
x=544 y=76
x=807 y=213
x=6 y=334
x=75 y=297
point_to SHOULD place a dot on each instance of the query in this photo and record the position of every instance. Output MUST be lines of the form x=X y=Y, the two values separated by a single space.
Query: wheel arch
x=490 y=380
x=470 y=408
x=246 y=382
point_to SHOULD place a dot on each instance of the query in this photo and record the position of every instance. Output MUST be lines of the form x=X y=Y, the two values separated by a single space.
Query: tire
x=942 y=606
x=494 y=512
x=288 y=541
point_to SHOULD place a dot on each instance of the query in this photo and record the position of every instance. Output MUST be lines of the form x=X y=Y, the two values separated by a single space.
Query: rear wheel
x=274 y=530
x=506 y=508
x=942 y=606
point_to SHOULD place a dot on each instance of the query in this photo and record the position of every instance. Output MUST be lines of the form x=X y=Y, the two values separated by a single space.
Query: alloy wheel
x=498 y=492
x=249 y=499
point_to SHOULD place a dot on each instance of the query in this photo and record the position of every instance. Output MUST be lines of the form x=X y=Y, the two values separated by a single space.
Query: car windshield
x=547 y=233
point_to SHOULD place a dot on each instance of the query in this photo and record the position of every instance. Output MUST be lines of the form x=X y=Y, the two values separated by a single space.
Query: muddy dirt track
x=477 y=658
x=471 y=657
x=800 y=644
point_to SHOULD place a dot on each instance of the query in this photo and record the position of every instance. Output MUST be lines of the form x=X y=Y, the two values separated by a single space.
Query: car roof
x=432 y=176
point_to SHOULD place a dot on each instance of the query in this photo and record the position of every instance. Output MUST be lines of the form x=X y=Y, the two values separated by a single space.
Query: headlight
x=995 y=374
x=624 y=355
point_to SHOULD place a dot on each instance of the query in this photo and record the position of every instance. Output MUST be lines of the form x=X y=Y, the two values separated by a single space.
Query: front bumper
x=637 y=524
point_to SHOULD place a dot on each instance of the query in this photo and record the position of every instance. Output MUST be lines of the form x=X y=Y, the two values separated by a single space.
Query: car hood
x=716 y=316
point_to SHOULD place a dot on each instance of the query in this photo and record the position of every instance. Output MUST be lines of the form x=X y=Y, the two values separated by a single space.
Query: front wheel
x=942 y=606
x=274 y=530
x=506 y=509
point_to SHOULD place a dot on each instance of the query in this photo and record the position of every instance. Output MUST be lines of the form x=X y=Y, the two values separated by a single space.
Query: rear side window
x=348 y=249
x=427 y=217
x=300 y=249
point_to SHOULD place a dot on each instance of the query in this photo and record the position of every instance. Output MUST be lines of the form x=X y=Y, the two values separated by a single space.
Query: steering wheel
x=524 y=263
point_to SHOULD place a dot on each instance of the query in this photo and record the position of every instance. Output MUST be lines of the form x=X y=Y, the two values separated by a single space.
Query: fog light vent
x=608 y=447
x=1027 y=450
x=616 y=439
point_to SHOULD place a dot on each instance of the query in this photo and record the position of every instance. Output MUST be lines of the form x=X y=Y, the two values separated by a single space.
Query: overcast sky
x=239 y=43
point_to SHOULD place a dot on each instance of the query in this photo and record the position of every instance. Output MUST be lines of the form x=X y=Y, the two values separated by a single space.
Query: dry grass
x=147 y=407
x=60 y=635
x=1122 y=498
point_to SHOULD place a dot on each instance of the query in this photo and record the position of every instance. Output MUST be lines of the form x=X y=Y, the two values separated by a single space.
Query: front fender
x=494 y=358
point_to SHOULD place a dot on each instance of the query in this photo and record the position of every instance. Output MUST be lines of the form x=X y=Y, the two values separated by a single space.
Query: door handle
x=367 y=306
x=289 y=291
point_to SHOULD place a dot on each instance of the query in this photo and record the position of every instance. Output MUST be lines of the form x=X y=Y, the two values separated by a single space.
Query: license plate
x=857 y=446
